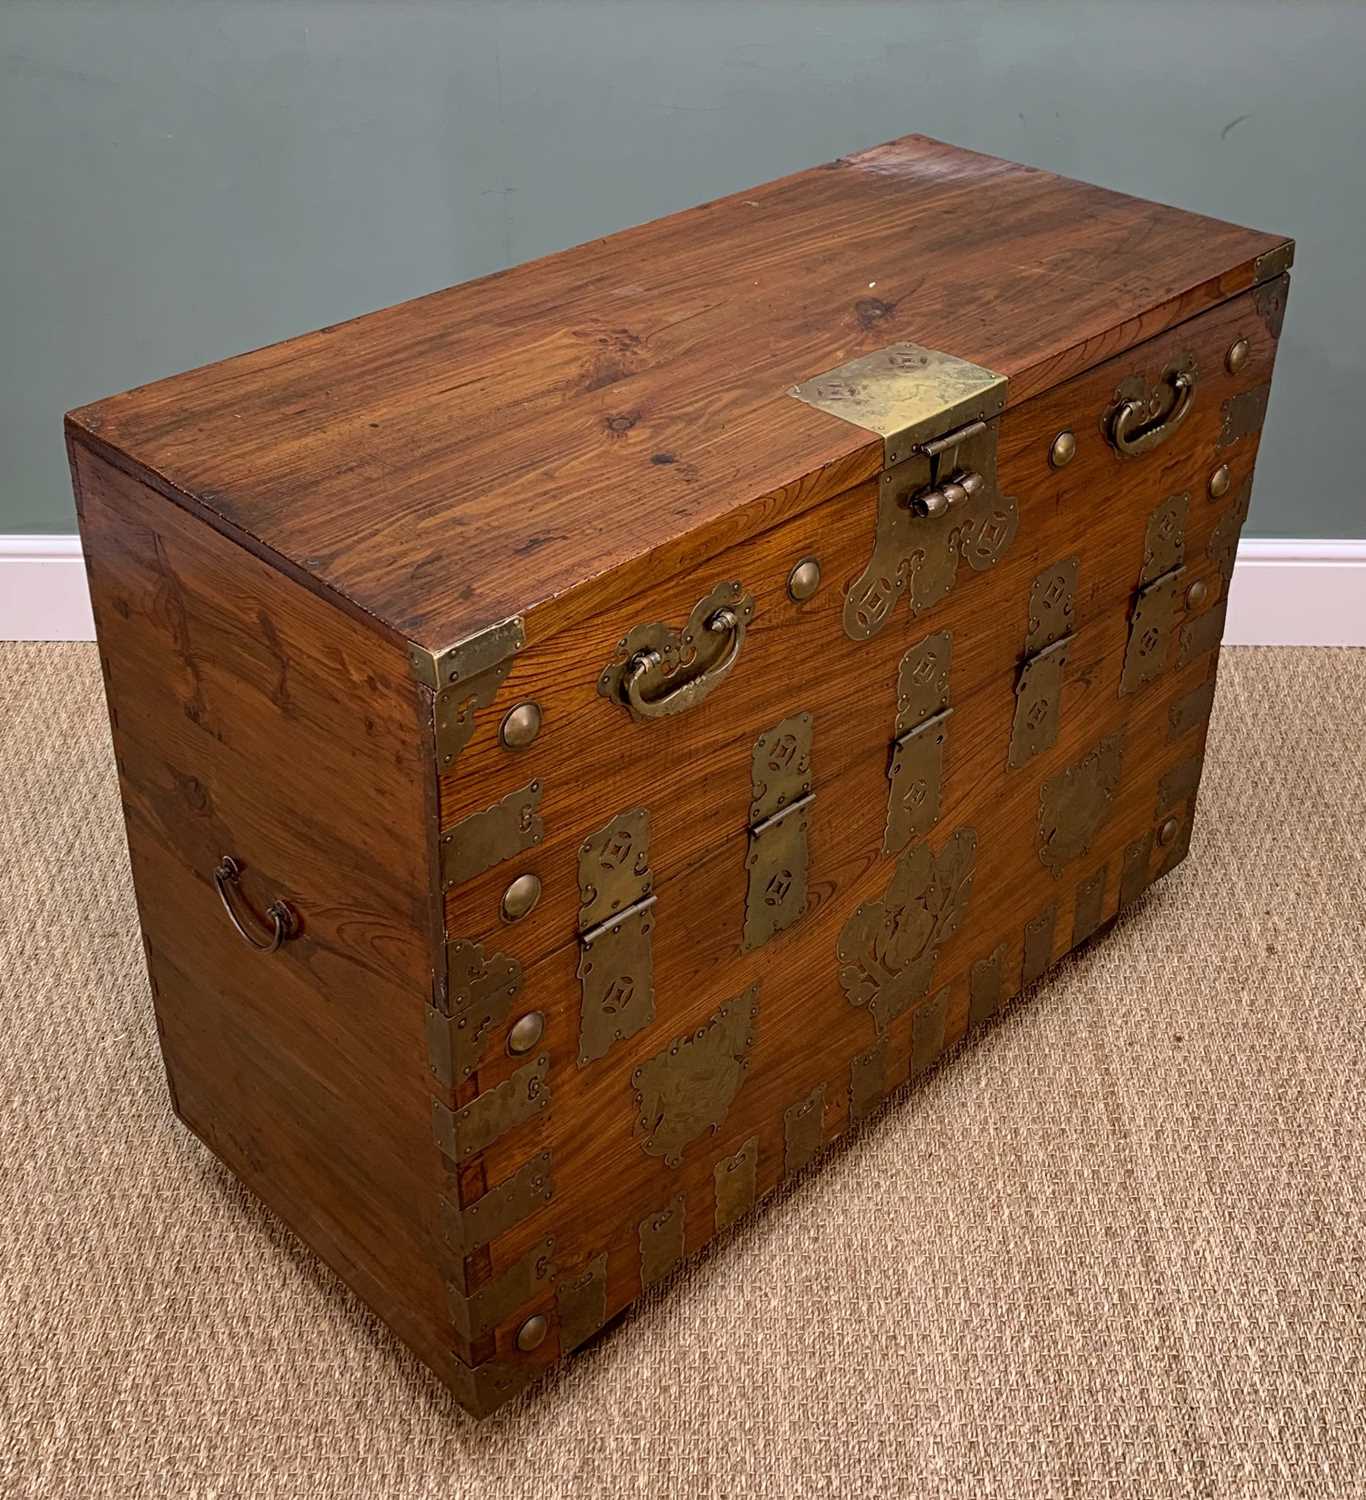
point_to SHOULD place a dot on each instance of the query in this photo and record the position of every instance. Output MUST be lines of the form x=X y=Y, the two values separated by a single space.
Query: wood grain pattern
x=249 y=718
x=546 y=440
x=807 y=1035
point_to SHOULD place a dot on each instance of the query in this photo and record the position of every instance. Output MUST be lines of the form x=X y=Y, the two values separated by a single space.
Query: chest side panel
x=251 y=720
x=946 y=858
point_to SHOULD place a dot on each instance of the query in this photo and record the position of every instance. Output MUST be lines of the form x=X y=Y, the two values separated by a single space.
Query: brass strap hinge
x=616 y=958
x=915 y=770
x=780 y=784
x=1155 y=608
x=1038 y=690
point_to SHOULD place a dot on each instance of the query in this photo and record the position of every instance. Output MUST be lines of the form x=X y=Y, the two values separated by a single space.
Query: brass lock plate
x=1075 y=803
x=1150 y=632
x=888 y=948
x=1164 y=540
x=616 y=919
x=776 y=862
x=684 y=1091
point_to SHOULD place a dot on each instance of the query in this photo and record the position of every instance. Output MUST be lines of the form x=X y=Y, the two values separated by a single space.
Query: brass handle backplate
x=1144 y=419
x=658 y=671
x=282 y=921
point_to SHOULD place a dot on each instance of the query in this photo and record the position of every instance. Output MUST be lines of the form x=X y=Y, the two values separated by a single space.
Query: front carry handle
x=284 y=924
x=1127 y=430
x=659 y=670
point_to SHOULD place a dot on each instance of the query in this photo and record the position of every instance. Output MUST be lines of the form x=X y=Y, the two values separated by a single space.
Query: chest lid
x=535 y=444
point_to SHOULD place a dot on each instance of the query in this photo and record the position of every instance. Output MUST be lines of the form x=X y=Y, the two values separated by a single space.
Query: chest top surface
x=488 y=449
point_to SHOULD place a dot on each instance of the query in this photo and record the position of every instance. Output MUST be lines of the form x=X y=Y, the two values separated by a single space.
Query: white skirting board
x=1285 y=593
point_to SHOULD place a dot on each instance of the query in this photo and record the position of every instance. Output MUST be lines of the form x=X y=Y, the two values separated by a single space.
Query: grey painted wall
x=183 y=179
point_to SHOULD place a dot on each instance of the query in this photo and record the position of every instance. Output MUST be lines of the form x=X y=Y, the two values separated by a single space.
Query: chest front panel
x=757 y=915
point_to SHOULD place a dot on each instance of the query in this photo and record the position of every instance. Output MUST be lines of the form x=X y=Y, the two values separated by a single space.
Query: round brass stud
x=520 y=897
x=1168 y=831
x=531 y=1335
x=1236 y=357
x=526 y=1032
x=1219 y=482
x=1064 y=449
x=804 y=580
x=1197 y=593
x=521 y=726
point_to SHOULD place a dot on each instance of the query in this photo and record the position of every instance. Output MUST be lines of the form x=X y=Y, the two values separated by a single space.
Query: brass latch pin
x=589 y=937
x=764 y=824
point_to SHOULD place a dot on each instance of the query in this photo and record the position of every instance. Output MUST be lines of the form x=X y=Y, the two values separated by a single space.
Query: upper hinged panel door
x=531 y=445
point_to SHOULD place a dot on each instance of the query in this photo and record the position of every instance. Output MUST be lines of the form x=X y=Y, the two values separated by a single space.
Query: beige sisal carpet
x=1116 y=1246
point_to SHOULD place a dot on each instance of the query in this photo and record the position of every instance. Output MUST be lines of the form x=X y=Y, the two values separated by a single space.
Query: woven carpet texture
x=1113 y=1245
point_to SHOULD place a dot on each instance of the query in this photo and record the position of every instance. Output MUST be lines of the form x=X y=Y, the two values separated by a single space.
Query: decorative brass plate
x=1089 y=906
x=685 y=1091
x=916 y=770
x=986 y=988
x=867 y=1080
x=661 y=1242
x=658 y=670
x=888 y=948
x=453 y=711
x=1244 y=414
x=616 y=964
x=1274 y=262
x=465 y=1132
x=1150 y=632
x=1038 y=944
x=1190 y=710
x=480 y=992
x=780 y=776
x=581 y=1304
x=1269 y=301
x=1052 y=602
x=928 y=1023
x=803 y=1129
x=1133 y=874
x=1202 y=634
x=1074 y=803
x=470 y=1228
x=1164 y=542
x=734 y=1180
x=485 y=838
x=1178 y=783
x=465 y=677
x=1038 y=704
x=483 y=1310
x=905 y=393
x=1223 y=542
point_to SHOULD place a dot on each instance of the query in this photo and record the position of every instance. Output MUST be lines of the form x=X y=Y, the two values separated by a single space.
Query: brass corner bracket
x=464 y=677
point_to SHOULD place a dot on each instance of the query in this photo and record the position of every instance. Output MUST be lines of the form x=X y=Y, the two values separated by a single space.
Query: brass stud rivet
x=521 y=726
x=804 y=580
x=1219 y=482
x=1197 y=593
x=531 y=1335
x=1064 y=449
x=526 y=1033
x=1168 y=831
x=520 y=897
x=1237 y=355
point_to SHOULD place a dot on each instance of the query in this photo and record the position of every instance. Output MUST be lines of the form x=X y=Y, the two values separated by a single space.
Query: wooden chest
x=589 y=735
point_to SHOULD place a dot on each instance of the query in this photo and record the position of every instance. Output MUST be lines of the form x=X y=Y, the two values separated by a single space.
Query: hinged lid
x=469 y=461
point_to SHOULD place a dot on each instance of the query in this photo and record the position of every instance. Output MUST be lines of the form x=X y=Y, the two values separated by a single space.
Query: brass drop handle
x=283 y=922
x=676 y=700
x=1127 y=430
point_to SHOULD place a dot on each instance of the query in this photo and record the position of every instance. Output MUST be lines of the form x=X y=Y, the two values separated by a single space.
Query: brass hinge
x=1155 y=605
x=915 y=772
x=780 y=784
x=465 y=677
x=1038 y=691
x=938 y=501
x=616 y=960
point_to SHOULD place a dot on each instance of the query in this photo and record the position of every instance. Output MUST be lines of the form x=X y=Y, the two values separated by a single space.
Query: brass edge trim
x=466 y=659
x=905 y=394
x=1272 y=263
